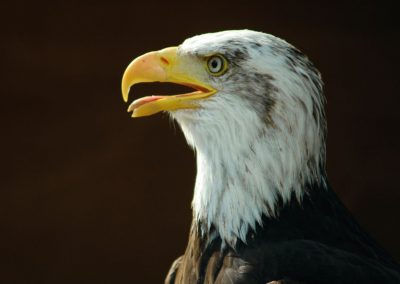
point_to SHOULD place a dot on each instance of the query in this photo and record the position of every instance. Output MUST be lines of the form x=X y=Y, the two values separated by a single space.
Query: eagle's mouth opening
x=194 y=87
x=176 y=92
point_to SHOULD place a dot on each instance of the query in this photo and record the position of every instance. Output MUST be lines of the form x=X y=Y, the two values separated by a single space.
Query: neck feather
x=242 y=172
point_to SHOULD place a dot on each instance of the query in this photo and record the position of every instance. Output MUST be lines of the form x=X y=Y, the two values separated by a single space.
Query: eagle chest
x=212 y=265
x=229 y=268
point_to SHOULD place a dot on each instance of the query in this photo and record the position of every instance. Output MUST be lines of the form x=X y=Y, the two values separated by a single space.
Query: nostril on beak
x=164 y=60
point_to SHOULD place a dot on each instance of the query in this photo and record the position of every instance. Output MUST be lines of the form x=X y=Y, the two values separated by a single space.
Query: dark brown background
x=89 y=195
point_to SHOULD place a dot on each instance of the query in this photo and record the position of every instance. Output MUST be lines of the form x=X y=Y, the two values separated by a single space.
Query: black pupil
x=214 y=63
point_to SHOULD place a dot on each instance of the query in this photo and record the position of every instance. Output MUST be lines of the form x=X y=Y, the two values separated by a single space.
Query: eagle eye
x=217 y=65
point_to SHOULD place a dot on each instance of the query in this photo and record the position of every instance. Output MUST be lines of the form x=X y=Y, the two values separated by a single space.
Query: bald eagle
x=263 y=210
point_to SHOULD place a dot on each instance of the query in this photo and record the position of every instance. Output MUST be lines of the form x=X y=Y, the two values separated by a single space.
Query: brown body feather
x=315 y=241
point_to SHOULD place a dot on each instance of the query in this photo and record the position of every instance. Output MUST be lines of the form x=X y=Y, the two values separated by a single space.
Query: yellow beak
x=162 y=66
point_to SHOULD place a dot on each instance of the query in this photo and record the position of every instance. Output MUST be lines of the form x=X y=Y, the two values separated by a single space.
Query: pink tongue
x=150 y=99
x=143 y=101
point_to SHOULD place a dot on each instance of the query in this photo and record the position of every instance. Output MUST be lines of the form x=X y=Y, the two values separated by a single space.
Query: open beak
x=162 y=66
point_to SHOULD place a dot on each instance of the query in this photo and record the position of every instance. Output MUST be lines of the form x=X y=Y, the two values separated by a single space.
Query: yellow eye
x=217 y=65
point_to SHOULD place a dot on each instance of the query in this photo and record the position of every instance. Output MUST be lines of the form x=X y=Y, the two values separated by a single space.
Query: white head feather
x=260 y=138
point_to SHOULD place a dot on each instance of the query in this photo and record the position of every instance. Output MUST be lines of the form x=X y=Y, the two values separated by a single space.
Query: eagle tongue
x=139 y=102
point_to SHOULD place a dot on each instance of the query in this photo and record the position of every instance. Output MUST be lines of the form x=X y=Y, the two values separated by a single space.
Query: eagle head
x=255 y=119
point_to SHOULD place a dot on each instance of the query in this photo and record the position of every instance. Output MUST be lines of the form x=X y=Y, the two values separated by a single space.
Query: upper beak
x=162 y=66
